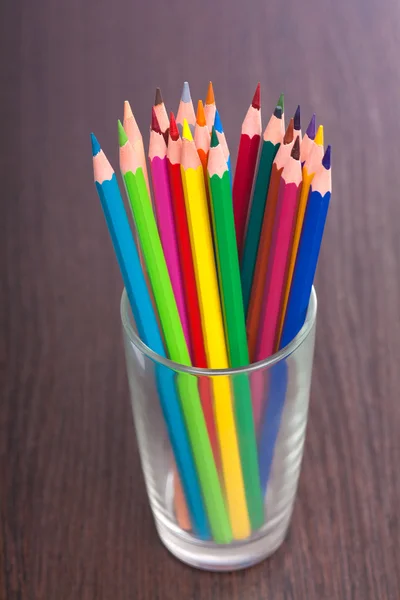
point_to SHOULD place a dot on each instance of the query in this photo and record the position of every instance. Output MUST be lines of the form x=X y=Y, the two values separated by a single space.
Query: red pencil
x=245 y=166
x=199 y=357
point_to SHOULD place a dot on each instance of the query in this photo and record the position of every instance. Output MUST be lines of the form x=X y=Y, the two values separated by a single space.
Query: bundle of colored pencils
x=220 y=277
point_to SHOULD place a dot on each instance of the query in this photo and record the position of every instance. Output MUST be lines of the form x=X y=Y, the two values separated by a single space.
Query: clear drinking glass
x=184 y=493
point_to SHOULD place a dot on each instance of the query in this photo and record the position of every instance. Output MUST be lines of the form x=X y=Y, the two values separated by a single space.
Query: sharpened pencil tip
x=278 y=112
x=281 y=102
x=256 y=102
x=173 y=128
x=296 y=119
x=319 y=136
x=218 y=122
x=311 y=129
x=186 y=97
x=155 y=126
x=95 y=144
x=158 y=99
x=200 y=116
x=296 y=149
x=186 y=133
x=122 y=137
x=128 y=114
x=326 y=161
x=289 y=133
x=210 y=99
x=214 y=138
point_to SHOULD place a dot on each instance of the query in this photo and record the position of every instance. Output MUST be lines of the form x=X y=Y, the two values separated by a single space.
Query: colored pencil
x=297 y=125
x=174 y=338
x=186 y=109
x=310 y=167
x=165 y=217
x=246 y=165
x=306 y=264
x=199 y=357
x=235 y=329
x=135 y=138
x=308 y=140
x=286 y=210
x=213 y=331
x=222 y=140
x=161 y=114
x=148 y=330
x=260 y=272
x=272 y=139
x=210 y=107
x=308 y=252
x=202 y=139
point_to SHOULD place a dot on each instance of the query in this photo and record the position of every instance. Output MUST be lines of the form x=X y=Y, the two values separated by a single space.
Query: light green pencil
x=150 y=243
x=235 y=329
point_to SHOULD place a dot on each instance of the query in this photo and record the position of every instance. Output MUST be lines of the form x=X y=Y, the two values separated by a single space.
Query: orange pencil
x=210 y=107
x=202 y=139
x=256 y=297
x=161 y=114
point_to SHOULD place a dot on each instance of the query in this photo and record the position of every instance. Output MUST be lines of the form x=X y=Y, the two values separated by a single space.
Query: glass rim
x=178 y=367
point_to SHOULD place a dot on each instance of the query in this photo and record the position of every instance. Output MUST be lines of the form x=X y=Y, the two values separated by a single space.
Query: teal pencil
x=273 y=137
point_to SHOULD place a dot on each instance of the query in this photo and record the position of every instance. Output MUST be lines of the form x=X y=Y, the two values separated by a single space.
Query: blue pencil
x=308 y=252
x=303 y=277
x=148 y=330
x=222 y=140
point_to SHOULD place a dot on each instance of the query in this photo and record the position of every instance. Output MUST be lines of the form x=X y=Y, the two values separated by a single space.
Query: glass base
x=213 y=557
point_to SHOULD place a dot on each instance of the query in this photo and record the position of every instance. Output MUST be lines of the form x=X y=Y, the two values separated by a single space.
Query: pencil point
x=297 y=124
x=95 y=144
x=200 y=116
x=289 y=133
x=158 y=99
x=214 y=138
x=326 y=161
x=210 y=99
x=155 y=126
x=319 y=137
x=311 y=129
x=278 y=112
x=128 y=114
x=218 y=123
x=173 y=128
x=186 y=133
x=122 y=137
x=296 y=149
x=186 y=97
x=281 y=102
x=256 y=102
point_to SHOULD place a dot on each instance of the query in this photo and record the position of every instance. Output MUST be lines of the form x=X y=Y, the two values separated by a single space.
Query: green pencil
x=150 y=242
x=235 y=329
x=273 y=136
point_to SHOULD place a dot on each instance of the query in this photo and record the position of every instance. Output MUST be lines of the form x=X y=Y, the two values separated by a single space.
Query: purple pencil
x=165 y=216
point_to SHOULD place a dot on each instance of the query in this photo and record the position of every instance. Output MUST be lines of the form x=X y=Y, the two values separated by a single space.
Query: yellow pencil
x=213 y=331
x=310 y=167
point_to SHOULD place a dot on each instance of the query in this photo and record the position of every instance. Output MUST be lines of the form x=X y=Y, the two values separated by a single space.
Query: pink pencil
x=165 y=216
x=286 y=211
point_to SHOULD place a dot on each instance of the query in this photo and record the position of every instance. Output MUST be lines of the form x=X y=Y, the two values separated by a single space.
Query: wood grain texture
x=74 y=519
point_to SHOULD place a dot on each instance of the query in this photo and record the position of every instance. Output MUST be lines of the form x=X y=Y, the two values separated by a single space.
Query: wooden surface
x=74 y=519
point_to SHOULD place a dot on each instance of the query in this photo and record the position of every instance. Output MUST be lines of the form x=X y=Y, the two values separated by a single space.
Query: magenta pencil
x=165 y=217
x=286 y=211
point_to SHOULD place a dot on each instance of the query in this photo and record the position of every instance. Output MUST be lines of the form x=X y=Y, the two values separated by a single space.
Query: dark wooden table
x=74 y=518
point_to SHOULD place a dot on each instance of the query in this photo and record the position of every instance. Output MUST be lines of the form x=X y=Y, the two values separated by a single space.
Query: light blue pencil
x=222 y=140
x=148 y=330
